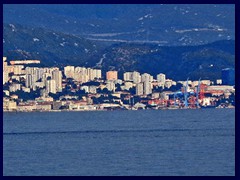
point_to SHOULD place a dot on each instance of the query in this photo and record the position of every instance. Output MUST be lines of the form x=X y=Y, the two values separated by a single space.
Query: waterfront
x=147 y=142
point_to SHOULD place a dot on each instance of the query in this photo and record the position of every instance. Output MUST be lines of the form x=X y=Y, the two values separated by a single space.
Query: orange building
x=112 y=75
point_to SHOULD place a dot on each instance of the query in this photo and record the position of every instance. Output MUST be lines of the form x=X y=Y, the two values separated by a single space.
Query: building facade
x=112 y=75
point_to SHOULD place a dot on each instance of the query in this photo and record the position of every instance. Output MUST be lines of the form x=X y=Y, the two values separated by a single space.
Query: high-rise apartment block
x=18 y=69
x=5 y=70
x=29 y=81
x=69 y=71
x=110 y=85
x=5 y=76
x=139 y=89
x=51 y=86
x=147 y=79
x=135 y=77
x=127 y=76
x=82 y=74
x=112 y=75
x=161 y=78
x=57 y=76
x=147 y=87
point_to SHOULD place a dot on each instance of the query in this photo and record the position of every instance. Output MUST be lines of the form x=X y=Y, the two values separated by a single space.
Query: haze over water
x=163 y=142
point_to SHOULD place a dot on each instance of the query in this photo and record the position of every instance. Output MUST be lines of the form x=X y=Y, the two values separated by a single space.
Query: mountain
x=52 y=48
x=177 y=62
x=165 y=24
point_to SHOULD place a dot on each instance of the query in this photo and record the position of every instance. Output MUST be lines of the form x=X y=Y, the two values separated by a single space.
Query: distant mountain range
x=164 y=24
x=59 y=49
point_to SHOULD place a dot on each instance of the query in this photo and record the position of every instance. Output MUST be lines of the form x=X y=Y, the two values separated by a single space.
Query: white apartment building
x=139 y=89
x=57 y=76
x=69 y=71
x=51 y=86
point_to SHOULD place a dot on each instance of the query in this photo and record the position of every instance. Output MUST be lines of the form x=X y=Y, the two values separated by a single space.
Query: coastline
x=79 y=110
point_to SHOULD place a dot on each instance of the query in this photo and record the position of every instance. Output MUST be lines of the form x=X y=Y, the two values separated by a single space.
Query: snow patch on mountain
x=13 y=27
x=36 y=39
x=209 y=28
x=145 y=17
x=62 y=44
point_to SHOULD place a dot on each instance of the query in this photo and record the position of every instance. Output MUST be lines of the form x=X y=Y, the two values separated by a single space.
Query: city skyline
x=55 y=84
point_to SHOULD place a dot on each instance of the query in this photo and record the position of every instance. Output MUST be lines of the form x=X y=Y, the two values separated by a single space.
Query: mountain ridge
x=59 y=49
x=175 y=24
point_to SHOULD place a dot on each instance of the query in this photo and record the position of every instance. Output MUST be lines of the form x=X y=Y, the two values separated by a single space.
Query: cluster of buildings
x=30 y=88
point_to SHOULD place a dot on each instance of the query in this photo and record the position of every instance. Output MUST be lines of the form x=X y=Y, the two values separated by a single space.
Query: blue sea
x=137 y=143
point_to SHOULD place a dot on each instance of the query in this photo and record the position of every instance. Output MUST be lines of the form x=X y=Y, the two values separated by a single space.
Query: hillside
x=53 y=48
x=179 y=62
x=59 y=49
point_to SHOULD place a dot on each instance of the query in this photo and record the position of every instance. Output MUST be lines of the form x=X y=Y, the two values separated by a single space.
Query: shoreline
x=15 y=111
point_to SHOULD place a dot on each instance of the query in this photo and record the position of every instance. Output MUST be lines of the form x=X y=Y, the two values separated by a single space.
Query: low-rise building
x=219 y=81
x=93 y=89
x=139 y=106
x=155 y=95
x=128 y=85
x=14 y=96
x=223 y=88
x=9 y=105
x=14 y=87
x=44 y=99
x=85 y=88
x=24 y=89
x=26 y=107
x=57 y=105
x=44 y=106
x=6 y=92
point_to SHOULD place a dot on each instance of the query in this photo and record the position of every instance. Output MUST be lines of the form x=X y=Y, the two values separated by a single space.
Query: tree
x=6 y=86
x=176 y=87
x=74 y=86
x=158 y=89
x=91 y=83
x=132 y=90
x=118 y=87
x=106 y=91
x=55 y=96
x=4 y=94
x=27 y=96
x=15 y=81
x=80 y=93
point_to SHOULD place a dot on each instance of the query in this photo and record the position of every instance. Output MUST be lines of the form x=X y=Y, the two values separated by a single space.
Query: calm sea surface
x=147 y=142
